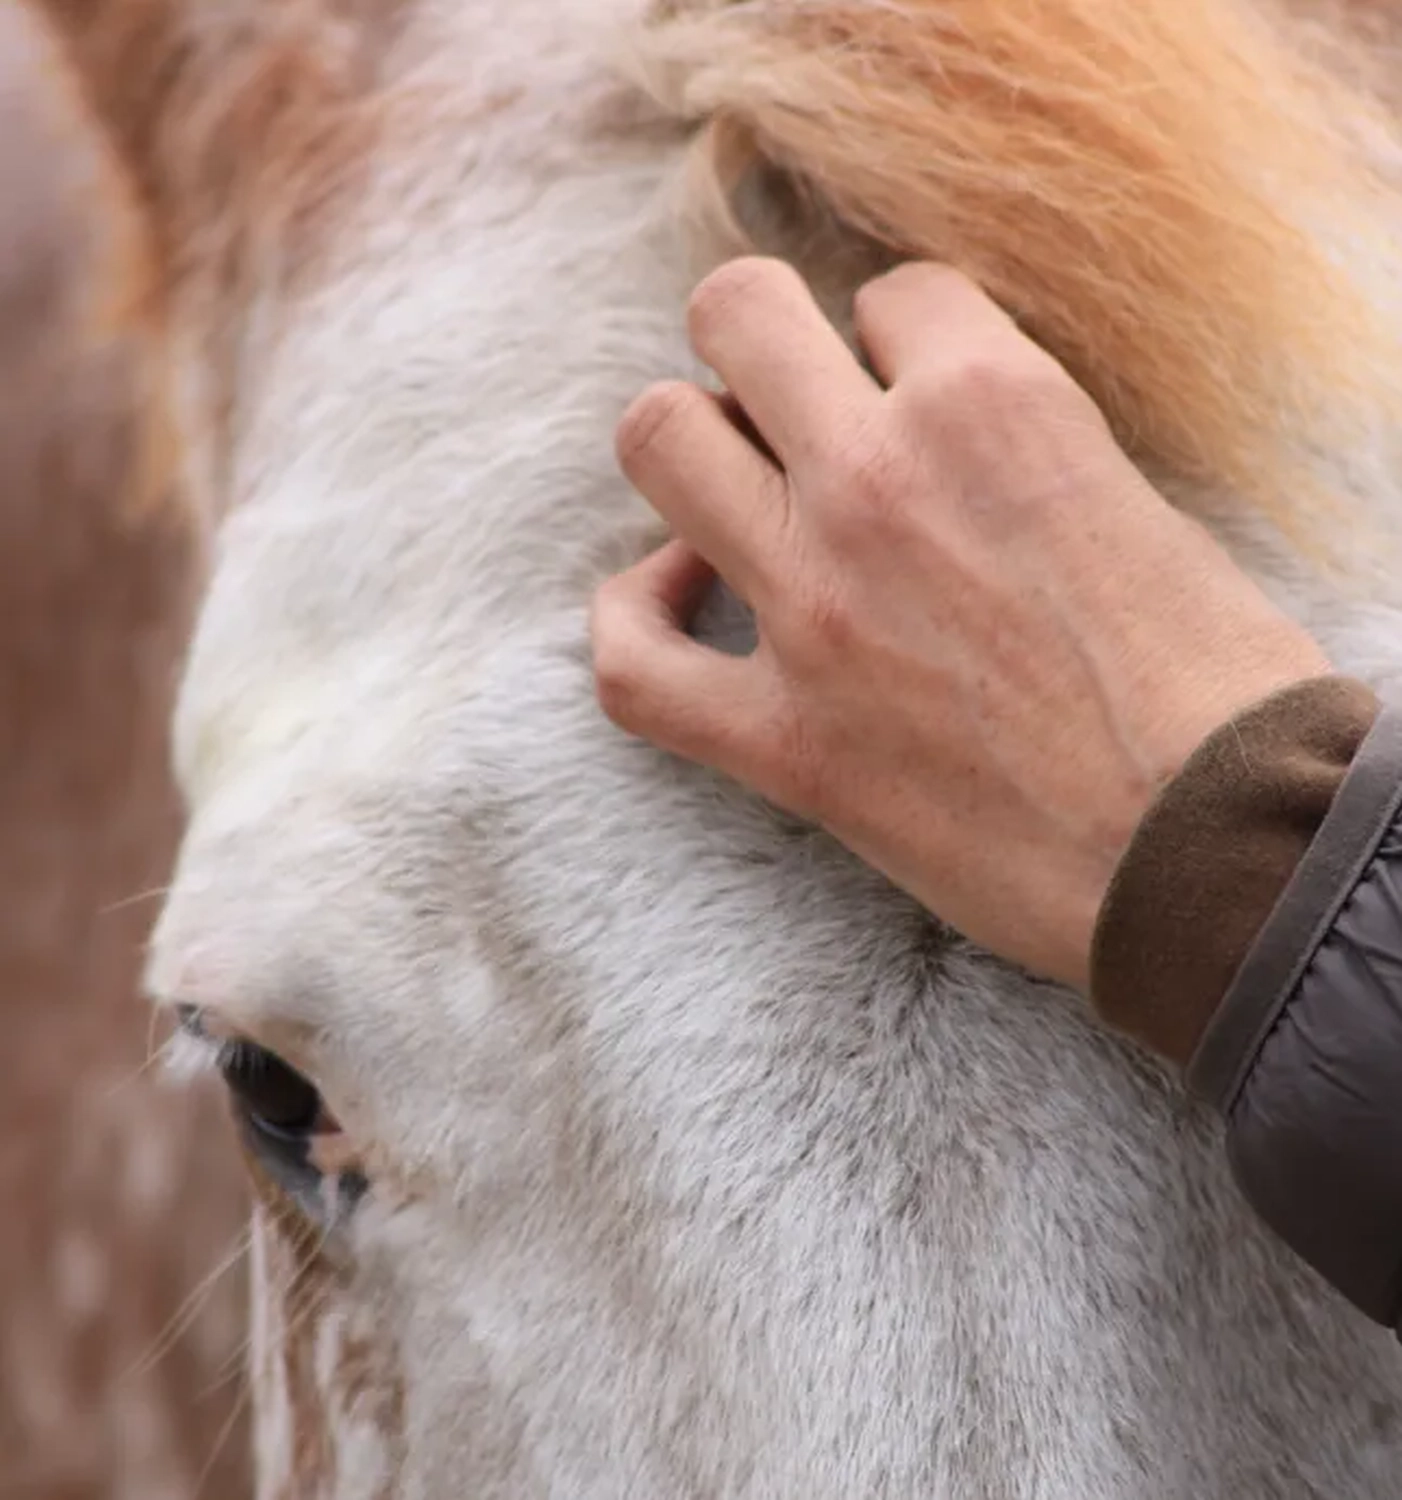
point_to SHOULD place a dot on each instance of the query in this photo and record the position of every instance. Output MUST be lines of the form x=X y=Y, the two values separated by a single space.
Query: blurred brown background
x=120 y=1360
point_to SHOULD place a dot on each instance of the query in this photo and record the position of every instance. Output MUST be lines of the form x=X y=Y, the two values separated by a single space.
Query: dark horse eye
x=276 y=1098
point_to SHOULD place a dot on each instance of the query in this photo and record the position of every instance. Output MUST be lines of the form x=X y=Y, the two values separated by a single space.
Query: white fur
x=703 y=1164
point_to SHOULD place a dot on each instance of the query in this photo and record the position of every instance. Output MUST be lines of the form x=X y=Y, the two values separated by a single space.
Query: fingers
x=755 y=323
x=714 y=487
x=653 y=680
x=671 y=584
x=918 y=314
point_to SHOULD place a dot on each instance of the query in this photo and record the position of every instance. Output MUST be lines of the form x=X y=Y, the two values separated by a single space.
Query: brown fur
x=1137 y=183
x=240 y=129
x=113 y=300
x=121 y=1192
x=235 y=124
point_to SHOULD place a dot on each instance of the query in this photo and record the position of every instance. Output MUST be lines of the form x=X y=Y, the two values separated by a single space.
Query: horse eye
x=277 y=1100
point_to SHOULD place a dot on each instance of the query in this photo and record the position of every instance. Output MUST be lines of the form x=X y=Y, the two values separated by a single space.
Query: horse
x=610 y=1131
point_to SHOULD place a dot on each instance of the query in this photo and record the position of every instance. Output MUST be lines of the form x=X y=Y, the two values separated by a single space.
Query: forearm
x=1253 y=936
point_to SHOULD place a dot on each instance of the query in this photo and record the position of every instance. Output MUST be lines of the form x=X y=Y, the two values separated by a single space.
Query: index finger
x=756 y=324
x=655 y=681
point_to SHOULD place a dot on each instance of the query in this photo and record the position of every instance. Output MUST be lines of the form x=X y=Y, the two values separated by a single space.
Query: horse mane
x=1165 y=194
x=1148 y=188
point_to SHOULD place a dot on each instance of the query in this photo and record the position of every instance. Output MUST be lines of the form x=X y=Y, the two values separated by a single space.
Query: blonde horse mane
x=1164 y=193
x=1153 y=189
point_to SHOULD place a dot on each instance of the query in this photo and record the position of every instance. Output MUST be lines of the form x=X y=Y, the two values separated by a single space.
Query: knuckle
x=647 y=421
x=725 y=294
x=828 y=622
x=814 y=627
x=871 y=474
x=987 y=380
x=961 y=386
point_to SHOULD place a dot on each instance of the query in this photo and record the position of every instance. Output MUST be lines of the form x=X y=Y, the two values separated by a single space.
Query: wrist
x=1212 y=855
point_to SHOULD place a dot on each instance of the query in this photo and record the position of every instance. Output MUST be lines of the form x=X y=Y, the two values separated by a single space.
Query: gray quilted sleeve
x=1304 y=1056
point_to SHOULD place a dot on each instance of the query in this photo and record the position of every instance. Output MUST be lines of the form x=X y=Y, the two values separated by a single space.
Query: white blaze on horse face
x=699 y=1163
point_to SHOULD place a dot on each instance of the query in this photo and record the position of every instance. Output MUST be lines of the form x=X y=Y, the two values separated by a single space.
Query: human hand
x=984 y=639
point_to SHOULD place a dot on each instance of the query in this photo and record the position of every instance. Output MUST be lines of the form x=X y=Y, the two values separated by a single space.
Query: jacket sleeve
x=1253 y=935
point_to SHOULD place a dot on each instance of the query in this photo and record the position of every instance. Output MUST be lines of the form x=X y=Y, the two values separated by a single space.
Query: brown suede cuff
x=1213 y=855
